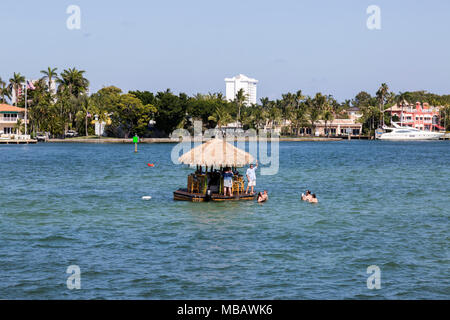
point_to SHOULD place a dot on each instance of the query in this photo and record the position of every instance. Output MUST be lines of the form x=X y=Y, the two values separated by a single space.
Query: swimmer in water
x=313 y=198
x=307 y=196
x=262 y=197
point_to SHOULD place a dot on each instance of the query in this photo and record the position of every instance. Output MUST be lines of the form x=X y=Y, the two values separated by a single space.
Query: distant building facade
x=233 y=85
x=9 y=116
x=99 y=126
x=346 y=124
x=350 y=125
x=338 y=127
x=421 y=116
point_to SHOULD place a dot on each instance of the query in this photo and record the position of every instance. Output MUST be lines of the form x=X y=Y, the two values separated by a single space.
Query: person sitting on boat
x=251 y=177
x=307 y=196
x=228 y=182
x=313 y=198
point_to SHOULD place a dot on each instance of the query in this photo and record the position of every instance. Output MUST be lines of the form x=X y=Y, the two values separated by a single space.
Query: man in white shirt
x=251 y=177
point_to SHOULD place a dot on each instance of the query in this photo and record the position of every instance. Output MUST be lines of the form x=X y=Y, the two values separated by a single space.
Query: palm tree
x=19 y=126
x=49 y=74
x=64 y=104
x=74 y=81
x=299 y=99
x=87 y=109
x=14 y=83
x=316 y=106
x=300 y=110
x=401 y=98
x=327 y=116
x=445 y=115
x=260 y=115
x=274 y=114
x=4 y=91
x=265 y=110
x=288 y=105
x=240 y=99
x=219 y=96
x=221 y=117
x=298 y=120
x=381 y=95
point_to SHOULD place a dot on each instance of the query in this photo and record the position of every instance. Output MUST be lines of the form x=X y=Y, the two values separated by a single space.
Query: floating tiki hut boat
x=207 y=185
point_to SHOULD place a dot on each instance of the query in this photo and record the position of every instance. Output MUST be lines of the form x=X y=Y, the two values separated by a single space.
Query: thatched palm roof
x=216 y=152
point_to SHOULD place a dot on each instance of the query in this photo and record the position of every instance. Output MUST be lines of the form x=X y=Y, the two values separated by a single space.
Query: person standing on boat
x=228 y=182
x=251 y=177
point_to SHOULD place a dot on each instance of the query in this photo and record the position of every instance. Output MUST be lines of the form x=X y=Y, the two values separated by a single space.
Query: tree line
x=147 y=114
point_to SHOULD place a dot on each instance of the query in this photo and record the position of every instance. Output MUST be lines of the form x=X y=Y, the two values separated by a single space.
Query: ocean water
x=381 y=203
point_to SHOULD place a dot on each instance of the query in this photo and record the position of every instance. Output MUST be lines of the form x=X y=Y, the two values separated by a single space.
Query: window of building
x=10 y=117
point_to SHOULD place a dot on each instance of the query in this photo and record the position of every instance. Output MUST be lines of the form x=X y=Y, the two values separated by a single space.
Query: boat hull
x=184 y=195
x=413 y=136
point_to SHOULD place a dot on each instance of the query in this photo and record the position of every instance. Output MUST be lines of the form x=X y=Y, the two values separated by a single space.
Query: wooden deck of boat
x=184 y=195
x=236 y=197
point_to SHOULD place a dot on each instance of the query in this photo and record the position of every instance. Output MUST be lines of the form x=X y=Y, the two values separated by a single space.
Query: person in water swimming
x=313 y=198
x=262 y=197
x=307 y=196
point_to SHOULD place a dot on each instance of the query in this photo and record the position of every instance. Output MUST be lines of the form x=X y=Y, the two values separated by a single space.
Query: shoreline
x=170 y=140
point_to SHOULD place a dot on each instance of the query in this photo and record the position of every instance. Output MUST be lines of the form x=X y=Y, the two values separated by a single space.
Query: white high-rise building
x=233 y=85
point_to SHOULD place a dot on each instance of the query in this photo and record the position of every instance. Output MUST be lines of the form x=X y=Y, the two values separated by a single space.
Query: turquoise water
x=381 y=203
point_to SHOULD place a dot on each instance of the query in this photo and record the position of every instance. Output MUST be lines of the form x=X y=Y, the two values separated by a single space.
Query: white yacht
x=407 y=133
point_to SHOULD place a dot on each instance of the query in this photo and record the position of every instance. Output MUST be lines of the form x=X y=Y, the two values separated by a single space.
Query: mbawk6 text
x=230 y=309
x=246 y=309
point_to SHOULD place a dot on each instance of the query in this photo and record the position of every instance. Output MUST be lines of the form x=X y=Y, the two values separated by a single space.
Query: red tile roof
x=8 y=108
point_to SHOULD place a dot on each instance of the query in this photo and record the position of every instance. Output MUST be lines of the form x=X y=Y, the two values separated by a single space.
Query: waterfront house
x=346 y=123
x=9 y=116
x=338 y=127
x=421 y=116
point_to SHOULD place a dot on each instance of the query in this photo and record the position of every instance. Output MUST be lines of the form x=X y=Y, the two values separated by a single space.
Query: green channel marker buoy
x=135 y=141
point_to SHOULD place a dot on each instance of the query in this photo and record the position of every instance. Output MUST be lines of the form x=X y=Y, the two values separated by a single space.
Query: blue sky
x=191 y=46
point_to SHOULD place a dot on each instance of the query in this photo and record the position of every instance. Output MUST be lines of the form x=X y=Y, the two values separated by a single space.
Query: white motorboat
x=397 y=132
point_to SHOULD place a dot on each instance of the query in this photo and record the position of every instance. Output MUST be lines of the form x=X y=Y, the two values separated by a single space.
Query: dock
x=18 y=141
